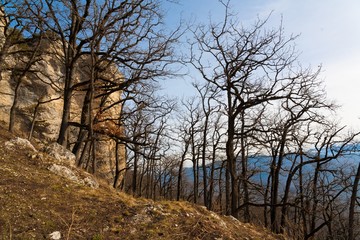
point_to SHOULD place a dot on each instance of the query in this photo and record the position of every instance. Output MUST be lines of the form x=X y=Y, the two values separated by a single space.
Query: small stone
x=91 y=182
x=55 y=235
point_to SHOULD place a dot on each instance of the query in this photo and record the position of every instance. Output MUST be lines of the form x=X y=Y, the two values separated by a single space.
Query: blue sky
x=330 y=36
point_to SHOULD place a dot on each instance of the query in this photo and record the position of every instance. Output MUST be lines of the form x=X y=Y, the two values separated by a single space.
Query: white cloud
x=330 y=35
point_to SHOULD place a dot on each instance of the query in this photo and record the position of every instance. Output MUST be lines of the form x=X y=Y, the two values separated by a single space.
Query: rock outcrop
x=20 y=144
x=62 y=163
x=74 y=176
x=39 y=106
x=60 y=153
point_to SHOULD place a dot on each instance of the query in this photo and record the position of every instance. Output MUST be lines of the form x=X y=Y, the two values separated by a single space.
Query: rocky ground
x=36 y=203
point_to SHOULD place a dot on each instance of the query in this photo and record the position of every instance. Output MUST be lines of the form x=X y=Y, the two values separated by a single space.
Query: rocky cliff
x=38 y=104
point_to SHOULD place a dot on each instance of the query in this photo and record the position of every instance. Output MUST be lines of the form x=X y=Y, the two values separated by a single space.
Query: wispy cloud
x=330 y=35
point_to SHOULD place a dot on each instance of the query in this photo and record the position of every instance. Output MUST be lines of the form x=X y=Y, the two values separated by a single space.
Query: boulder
x=60 y=153
x=20 y=144
x=73 y=176
x=64 y=172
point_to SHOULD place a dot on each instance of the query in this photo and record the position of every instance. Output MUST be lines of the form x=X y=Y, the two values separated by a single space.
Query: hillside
x=35 y=203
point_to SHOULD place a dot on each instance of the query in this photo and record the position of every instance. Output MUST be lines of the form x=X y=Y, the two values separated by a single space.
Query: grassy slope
x=34 y=203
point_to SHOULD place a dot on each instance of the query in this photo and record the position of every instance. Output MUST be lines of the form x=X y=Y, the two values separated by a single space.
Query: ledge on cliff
x=37 y=204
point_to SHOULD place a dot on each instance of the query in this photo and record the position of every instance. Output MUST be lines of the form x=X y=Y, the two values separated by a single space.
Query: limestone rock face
x=40 y=102
x=44 y=86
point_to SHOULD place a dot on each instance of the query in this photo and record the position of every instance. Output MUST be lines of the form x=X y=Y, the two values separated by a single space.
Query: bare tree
x=145 y=117
x=297 y=113
x=250 y=68
x=353 y=201
x=192 y=120
x=185 y=141
x=124 y=34
x=208 y=107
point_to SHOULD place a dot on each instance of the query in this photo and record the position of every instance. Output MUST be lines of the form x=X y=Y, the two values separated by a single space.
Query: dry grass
x=34 y=203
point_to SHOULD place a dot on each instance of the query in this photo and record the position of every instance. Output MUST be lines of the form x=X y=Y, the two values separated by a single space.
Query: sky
x=329 y=36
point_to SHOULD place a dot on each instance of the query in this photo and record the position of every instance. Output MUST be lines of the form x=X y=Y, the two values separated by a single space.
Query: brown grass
x=34 y=203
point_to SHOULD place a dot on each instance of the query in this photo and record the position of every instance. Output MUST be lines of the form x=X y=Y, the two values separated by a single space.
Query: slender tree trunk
x=203 y=158
x=352 y=205
x=302 y=202
x=220 y=184
x=33 y=121
x=141 y=180
x=14 y=105
x=148 y=181
x=284 y=207
x=266 y=196
x=152 y=179
x=244 y=170
x=70 y=60
x=135 y=171
x=211 y=180
x=118 y=170
x=82 y=158
x=285 y=199
x=180 y=173
x=62 y=139
x=178 y=189
x=93 y=76
x=84 y=121
x=314 y=198
x=195 y=166
x=227 y=190
x=195 y=183
x=230 y=148
x=275 y=169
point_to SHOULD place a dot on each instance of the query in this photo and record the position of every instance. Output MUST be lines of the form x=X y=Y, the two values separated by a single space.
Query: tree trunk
x=84 y=122
x=244 y=170
x=275 y=169
x=203 y=158
x=352 y=205
x=14 y=105
x=180 y=173
x=284 y=207
x=230 y=148
x=227 y=190
x=33 y=121
x=211 y=181
x=135 y=171
x=62 y=138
